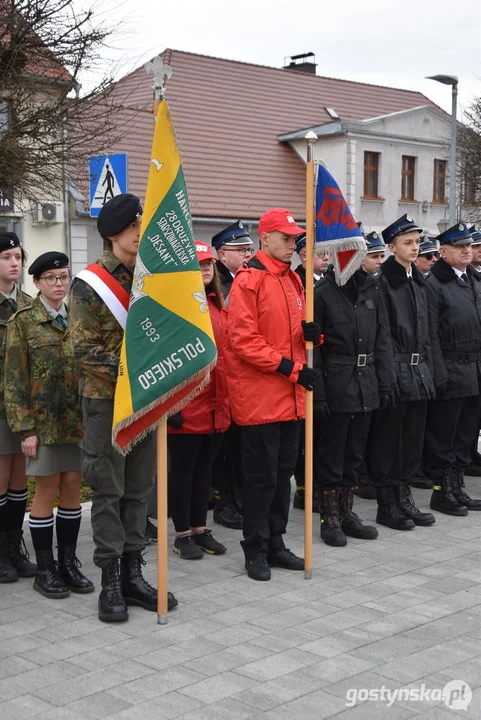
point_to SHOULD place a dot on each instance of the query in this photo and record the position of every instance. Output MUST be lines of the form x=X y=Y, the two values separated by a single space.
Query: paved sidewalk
x=401 y=611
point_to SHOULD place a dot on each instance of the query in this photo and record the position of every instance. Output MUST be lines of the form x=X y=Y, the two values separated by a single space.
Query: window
x=469 y=191
x=407 y=183
x=371 y=174
x=439 y=181
x=4 y=116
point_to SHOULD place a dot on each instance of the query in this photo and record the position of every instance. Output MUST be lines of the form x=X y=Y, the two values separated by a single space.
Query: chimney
x=306 y=63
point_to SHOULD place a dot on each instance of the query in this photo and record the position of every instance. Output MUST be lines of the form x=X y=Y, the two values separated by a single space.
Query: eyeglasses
x=52 y=280
x=240 y=251
x=430 y=256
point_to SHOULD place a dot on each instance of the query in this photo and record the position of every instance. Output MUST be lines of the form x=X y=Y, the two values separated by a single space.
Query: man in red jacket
x=267 y=377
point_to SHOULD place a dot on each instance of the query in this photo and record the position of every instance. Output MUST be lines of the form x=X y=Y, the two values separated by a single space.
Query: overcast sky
x=387 y=42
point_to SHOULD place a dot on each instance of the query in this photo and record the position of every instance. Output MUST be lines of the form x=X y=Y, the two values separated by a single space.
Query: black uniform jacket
x=225 y=277
x=301 y=271
x=406 y=306
x=353 y=324
x=455 y=323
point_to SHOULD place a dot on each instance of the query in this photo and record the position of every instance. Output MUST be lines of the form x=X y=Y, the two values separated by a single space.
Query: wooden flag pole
x=161 y=73
x=162 y=564
x=310 y=138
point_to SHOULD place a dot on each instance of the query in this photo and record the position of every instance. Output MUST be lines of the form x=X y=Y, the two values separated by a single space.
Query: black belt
x=411 y=358
x=359 y=360
x=463 y=358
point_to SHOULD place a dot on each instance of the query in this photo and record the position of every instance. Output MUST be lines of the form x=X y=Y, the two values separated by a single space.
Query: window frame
x=469 y=198
x=439 y=176
x=368 y=169
x=405 y=174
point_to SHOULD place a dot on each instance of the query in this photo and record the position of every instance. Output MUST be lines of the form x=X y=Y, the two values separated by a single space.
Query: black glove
x=322 y=408
x=384 y=402
x=441 y=389
x=176 y=421
x=312 y=332
x=308 y=377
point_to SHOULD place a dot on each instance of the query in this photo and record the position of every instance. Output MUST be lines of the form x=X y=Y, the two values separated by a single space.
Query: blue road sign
x=108 y=178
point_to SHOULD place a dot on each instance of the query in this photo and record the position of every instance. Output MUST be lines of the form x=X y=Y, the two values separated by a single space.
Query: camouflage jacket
x=6 y=312
x=41 y=382
x=96 y=334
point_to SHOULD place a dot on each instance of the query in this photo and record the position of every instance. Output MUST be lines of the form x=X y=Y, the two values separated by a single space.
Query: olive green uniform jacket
x=6 y=312
x=41 y=380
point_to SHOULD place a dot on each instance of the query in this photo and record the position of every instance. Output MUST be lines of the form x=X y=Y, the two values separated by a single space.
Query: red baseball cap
x=204 y=251
x=279 y=219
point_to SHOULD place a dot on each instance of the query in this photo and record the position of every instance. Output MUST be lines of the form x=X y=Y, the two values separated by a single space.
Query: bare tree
x=469 y=162
x=46 y=122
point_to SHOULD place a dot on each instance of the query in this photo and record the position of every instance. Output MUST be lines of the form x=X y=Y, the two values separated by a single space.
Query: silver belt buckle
x=361 y=360
x=415 y=359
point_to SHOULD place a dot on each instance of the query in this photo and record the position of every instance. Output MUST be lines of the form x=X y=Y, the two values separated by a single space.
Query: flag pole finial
x=161 y=72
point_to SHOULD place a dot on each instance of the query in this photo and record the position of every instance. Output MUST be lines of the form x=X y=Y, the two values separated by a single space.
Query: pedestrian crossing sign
x=108 y=176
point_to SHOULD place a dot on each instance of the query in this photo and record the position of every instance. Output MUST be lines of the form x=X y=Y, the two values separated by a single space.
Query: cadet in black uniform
x=357 y=373
x=428 y=254
x=399 y=431
x=474 y=467
x=454 y=296
x=234 y=247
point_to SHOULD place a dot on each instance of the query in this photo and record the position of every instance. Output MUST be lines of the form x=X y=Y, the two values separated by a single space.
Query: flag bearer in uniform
x=14 y=560
x=41 y=399
x=356 y=379
x=454 y=297
x=399 y=431
x=120 y=484
x=267 y=377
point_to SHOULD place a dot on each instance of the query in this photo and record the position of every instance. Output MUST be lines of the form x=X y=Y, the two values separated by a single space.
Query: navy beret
x=8 y=240
x=118 y=213
x=48 y=261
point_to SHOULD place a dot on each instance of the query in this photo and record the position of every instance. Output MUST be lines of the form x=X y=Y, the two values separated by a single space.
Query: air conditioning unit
x=49 y=211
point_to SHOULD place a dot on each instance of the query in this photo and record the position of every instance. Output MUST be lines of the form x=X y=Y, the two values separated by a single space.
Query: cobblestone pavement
x=403 y=611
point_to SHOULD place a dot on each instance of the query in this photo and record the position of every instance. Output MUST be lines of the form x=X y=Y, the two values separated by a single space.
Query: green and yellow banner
x=168 y=348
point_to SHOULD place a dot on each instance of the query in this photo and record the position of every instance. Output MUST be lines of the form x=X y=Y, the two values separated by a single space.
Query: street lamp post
x=453 y=81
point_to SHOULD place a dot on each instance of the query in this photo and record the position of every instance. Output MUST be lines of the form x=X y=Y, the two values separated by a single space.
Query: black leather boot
x=331 y=530
x=419 y=480
x=350 y=522
x=459 y=491
x=388 y=512
x=19 y=554
x=298 y=499
x=225 y=513
x=69 y=570
x=365 y=489
x=8 y=573
x=47 y=579
x=135 y=588
x=112 y=606
x=408 y=508
x=443 y=499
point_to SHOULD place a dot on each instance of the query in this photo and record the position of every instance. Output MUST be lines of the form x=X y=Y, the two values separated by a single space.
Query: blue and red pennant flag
x=336 y=228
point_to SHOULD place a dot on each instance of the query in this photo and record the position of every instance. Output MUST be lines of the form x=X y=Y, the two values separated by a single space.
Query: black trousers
x=191 y=458
x=339 y=446
x=299 y=470
x=227 y=470
x=451 y=428
x=269 y=453
x=397 y=439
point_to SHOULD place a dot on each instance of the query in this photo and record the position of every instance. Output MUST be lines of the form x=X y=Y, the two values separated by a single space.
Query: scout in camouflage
x=41 y=401
x=41 y=382
x=14 y=559
x=120 y=484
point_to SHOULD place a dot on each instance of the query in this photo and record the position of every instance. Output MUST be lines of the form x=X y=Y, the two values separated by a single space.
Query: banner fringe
x=204 y=373
x=332 y=247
